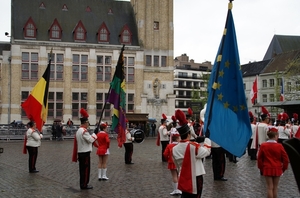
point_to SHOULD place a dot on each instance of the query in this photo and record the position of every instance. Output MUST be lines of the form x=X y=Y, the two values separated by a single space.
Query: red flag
x=253 y=93
x=36 y=105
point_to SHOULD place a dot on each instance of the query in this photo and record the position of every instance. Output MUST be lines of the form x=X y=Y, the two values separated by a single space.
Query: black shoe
x=221 y=179
x=129 y=163
x=34 y=171
x=87 y=187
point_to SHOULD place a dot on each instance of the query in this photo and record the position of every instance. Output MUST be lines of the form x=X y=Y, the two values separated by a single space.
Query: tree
x=292 y=79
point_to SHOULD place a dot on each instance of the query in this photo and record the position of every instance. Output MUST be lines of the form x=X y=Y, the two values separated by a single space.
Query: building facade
x=190 y=82
x=85 y=39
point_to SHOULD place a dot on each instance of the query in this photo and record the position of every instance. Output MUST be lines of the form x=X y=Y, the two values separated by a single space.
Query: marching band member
x=261 y=129
x=163 y=136
x=190 y=124
x=102 y=151
x=171 y=166
x=283 y=128
x=32 y=141
x=251 y=151
x=188 y=159
x=83 y=143
x=128 y=145
x=295 y=125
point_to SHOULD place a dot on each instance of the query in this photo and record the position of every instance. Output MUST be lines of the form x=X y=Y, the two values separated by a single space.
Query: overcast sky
x=199 y=24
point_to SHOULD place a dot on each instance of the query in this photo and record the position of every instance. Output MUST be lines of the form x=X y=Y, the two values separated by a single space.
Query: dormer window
x=55 y=31
x=110 y=11
x=42 y=6
x=30 y=29
x=126 y=35
x=79 y=32
x=103 y=34
x=64 y=8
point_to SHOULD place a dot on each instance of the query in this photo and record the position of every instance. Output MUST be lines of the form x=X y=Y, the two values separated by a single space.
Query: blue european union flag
x=226 y=119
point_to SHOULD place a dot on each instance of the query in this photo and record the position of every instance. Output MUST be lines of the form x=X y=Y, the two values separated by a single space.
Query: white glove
x=41 y=135
x=132 y=138
x=94 y=136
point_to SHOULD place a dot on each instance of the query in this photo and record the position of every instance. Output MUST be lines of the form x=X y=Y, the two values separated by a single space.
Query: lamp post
x=9 y=84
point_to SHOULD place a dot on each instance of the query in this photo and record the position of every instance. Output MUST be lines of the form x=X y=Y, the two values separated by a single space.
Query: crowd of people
x=183 y=148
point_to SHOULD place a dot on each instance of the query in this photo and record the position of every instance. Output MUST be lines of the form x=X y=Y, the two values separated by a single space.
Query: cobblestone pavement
x=147 y=177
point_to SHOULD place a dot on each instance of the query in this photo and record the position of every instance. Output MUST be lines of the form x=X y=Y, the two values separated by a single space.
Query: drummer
x=128 y=146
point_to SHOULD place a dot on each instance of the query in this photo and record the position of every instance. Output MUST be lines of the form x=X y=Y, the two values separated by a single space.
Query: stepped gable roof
x=92 y=13
x=253 y=69
x=279 y=62
x=281 y=44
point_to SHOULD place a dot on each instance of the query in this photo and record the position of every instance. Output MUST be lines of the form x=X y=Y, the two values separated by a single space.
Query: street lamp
x=9 y=84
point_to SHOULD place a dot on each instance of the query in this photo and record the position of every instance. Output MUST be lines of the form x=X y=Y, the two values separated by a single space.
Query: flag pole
x=219 y=58
x=98 y=125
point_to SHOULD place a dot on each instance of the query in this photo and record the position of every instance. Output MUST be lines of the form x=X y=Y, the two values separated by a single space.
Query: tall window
x=264 y=83
x=80 y=67
x=272 y=98
x=130 y=102
x=289 y=86
x=271 y=82
x=100 y=98
x=103 y=68
x=148 y=60
x=57 y=66
x=279 y=80
x=29 y=65
x=24 y=96
x=163 y=61
x=129 y=69
x=55 y=104
x=79 y=100
x=156 y=61
x=265 y=98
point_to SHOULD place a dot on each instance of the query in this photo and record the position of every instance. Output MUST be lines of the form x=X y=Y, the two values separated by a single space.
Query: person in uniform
x=251 y=151
x=188 y=159
x=190 y=124
x=163 y=136
x=32 y=141
x=272 y=161
x=295 y=125
x=128 y=145
x=284 y=131
x=260 y=135
x=103 y=151
x=83 y=143
x=171 y=166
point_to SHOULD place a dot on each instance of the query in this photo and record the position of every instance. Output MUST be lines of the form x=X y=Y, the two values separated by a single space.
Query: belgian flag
x=36 y=105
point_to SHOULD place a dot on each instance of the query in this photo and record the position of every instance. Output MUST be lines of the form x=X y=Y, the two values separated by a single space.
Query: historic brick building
x=86 y=37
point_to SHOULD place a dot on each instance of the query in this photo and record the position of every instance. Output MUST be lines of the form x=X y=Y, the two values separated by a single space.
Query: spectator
x=153 y=129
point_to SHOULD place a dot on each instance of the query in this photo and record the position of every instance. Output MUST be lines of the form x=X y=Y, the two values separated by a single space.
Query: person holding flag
x=32 y=142
x=226 y=117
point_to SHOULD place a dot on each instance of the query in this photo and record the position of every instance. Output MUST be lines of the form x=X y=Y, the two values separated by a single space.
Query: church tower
x=154 y=19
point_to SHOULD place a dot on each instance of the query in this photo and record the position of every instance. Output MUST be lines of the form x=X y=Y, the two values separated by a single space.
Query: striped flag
x=282 y=91
x=117 y=97
x=36 y=105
